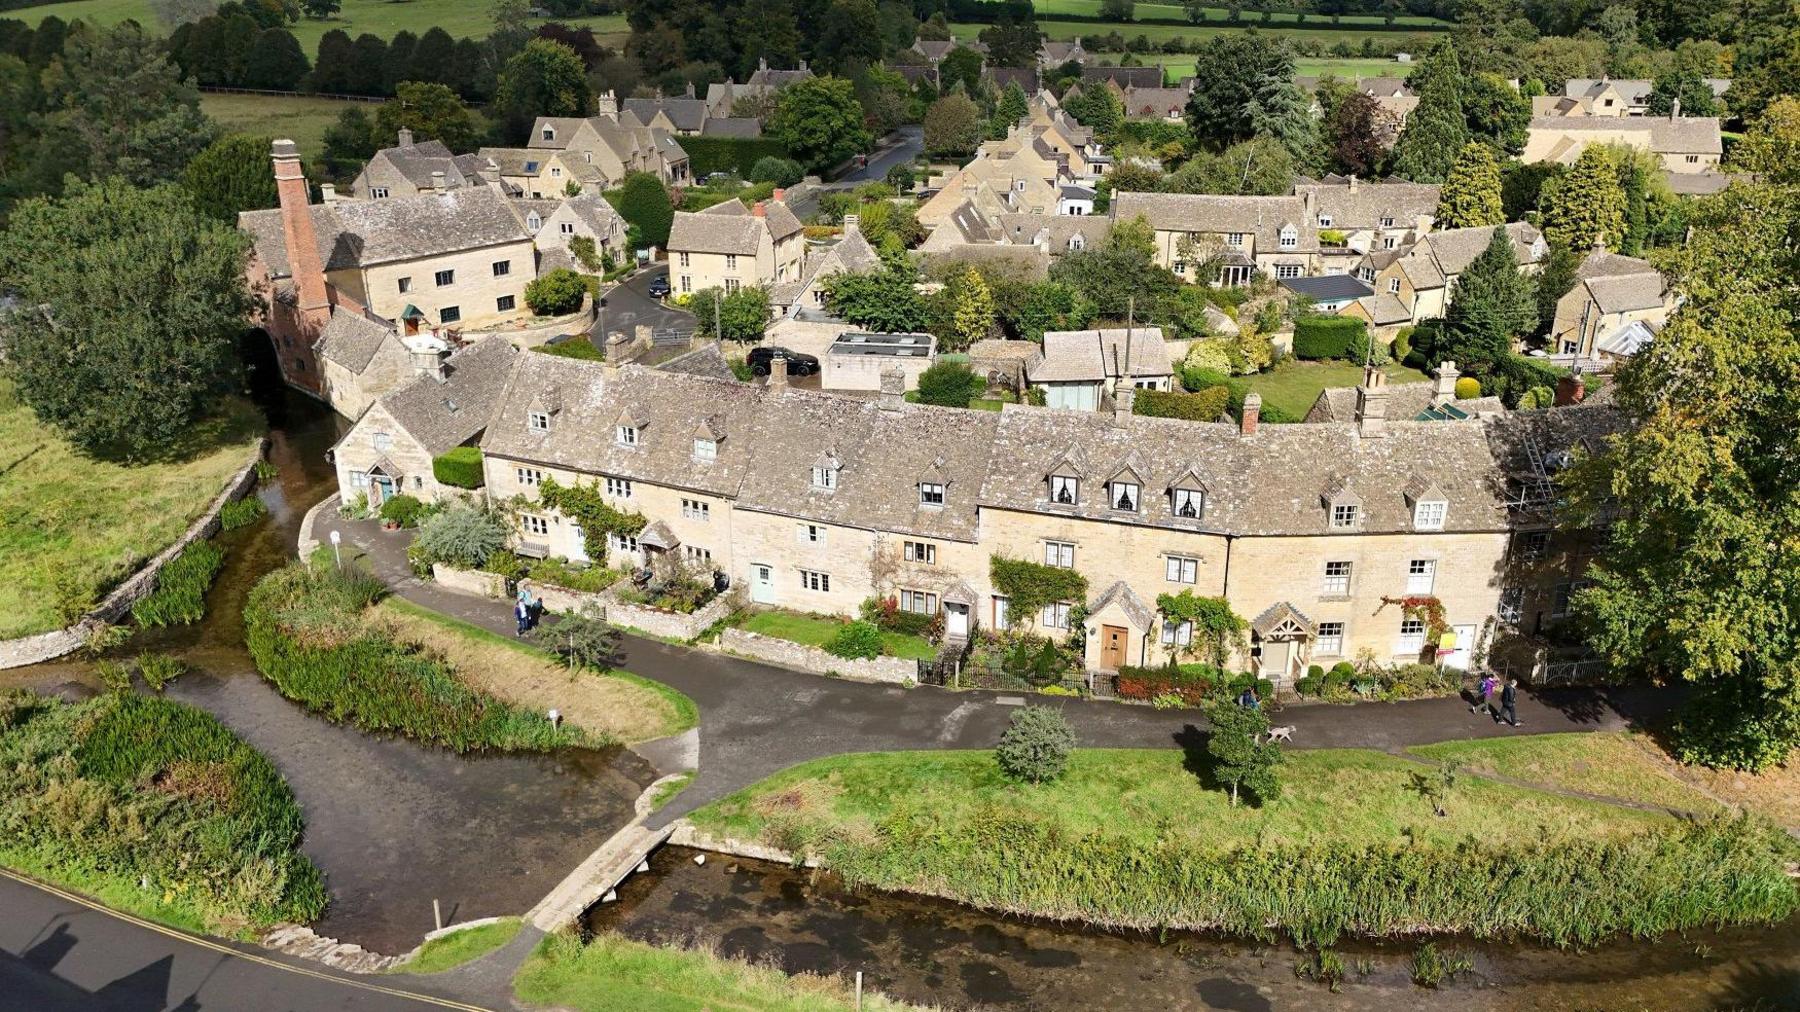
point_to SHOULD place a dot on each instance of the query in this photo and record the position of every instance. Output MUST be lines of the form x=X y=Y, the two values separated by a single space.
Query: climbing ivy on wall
x=1029 y=586
x=583 y=504
x=1218 y=631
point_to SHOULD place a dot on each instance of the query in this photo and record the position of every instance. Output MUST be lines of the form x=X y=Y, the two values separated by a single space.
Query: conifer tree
x=1492 y=304
x=1438 y=128
x=1471 y=194
x=1587 y=205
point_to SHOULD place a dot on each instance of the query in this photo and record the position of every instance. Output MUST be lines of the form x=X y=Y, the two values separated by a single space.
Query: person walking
x=1483 y=689
x=1248 y=699
x=1509 y=697
x=522 y=612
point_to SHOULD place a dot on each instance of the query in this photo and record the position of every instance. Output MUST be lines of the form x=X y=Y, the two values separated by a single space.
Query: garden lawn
x=460 y=18
x=1315 y=29
x=1091 y=8
x=817 y=630
x=615 y=974
x=72 y=527
x=1294 y=385
x=1610 y=764
x=453 y=950
x=302 y=119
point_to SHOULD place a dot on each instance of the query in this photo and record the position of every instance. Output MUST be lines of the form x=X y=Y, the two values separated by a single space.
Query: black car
x=797 y=364
x=659 y=286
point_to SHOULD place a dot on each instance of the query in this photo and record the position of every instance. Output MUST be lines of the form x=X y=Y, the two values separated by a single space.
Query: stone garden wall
x=788 y=654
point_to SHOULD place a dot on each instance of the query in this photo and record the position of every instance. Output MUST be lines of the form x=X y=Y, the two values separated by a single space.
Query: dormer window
x=538 y=421
x=1345 y=515
x=1387 y=223
x=824 y=478
x=1124 y=496
x=1189 y=503
x=1077 y=242
x=1290 y=237
x=706 y=449
x=1234 y=238
x=549 y=133
x=1429 y=514
x=1064 y=490
x=533 y=223
x=1324 y=221
x=625 y=435
x=931 y=494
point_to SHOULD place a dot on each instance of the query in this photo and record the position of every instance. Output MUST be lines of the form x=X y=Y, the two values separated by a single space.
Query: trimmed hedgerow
x=1206 y=406
x=459 y=467
x=180 y=594
x=1318 y=337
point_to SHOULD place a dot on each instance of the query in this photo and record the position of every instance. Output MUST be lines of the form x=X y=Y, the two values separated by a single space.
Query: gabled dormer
x=1343 y=506
x=934 y=485
x=542 y=410
x=1063 y=483
x=1125 y=487
x=825 y=469
x=707 y=437
x=1187 y=495
x=1288 y=237
x=1430 y=506
x=627 y=429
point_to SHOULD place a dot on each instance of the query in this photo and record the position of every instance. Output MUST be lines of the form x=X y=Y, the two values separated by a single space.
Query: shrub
x=459 y=467
x=1199 y=377
x=950 y=385
x=461 y=536
x=404 y=510
x=180 y=595
x=1036 y=745
x=582 y=248
x=557 y=292
x=583 y=641
x=241 y=513
x=780 y=171
x=1326 y=337
x=1401 y=348
x=1191 y=683
x=579 y=348
x=643 y=202
x=159 y=669
x=1468 y=388
x=1537 y=398
x=1036 y=661
x=1206 y=406
x=885 y=612
x=855 y=640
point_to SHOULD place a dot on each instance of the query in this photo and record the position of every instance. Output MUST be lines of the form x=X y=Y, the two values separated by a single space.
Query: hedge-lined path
x=756 y=720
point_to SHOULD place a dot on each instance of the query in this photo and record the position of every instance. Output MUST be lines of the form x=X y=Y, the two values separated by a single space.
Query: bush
x=459 y=467
x=1197 y=378
x=1468 y=388
x=579 y=348
x=1206 y=406
x=556 y=293
x=1329 y=337
x=180 y=594
x=241 y=513
x=461 y=536
x=643 y=202
x=1036 y=661
x=885 y=612
x=780 y=171
x=736 y=155
x=1036 y=745
x=857 y=640
x=1537 y=398
x=1401 y=348
x=950 y=385
x=404 y=510
x=1192 y=683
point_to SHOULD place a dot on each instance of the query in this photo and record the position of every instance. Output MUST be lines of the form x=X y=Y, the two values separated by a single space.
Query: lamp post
x=336 y=540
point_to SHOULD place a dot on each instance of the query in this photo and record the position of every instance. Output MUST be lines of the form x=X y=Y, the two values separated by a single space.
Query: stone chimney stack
x=852 y=224
x=301 y=239
x=609 y=104
x=437 y=183
x=406 y=140
x=1445 y=389
x=779 y=195
x=328 y=193
x=428 y=352
x=778 y=373
x=1371 y=404
x=1353 y=182
x=1675 y=109
x=893 y=388
x=1570 y=390
x=1251 y=415
x=1123 y=395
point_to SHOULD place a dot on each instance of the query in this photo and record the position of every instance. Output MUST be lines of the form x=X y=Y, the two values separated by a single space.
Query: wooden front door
x=1112 y=647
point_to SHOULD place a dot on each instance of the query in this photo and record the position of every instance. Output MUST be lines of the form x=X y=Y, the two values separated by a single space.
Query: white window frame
x=1345 y=516
x=1058 y=483
x=1330 y=640
x=731 y=286
x=378 y=192
x=730 y=261
x=1117 y=491
x=1337 y=578
x=1186 y=497
x=1055 y=615
x=824 y=478
x=359 y=479
x=809 y=534
x=1060 y=554
x=404 y=284
x=1002 y=611
x=1234 y=238
x=1289 y=271
x=1412 y=635
x=1387 y=223
x=625 y=435
x=624 y=543
x=1325 y=221
x=1512 y=604
x=1288 y=238
x=694 y=553
x=1394 y=286
x=921 y=552
x=1181 y=569
x=534 y=525
x=684 y=260
x=1177 y=634
x=695 y=509
x=706 y=449
x=931 y=493
x=537 y=421
x=1429 y=514
x=1421 y=576
x=815 y=581
x=528 y=477
x=618 y=487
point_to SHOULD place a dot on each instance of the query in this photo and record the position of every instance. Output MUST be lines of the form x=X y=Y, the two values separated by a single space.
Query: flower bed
x=1186 y=684
x=1347 y=682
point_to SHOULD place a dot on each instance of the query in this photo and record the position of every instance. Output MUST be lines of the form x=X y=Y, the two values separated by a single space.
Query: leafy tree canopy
x=820 y=122
x=431 y=112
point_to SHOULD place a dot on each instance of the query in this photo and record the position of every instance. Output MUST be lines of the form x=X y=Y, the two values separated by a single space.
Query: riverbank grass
x=1354 y=845
x=155 y=808
x=615 y=974
x=1614 y=765
x=459 y=947
x=72 y=527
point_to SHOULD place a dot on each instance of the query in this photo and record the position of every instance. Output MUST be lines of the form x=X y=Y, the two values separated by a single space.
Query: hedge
x=1205 y=406
x=737 y=155
x=459 y=467
x=1317 y=337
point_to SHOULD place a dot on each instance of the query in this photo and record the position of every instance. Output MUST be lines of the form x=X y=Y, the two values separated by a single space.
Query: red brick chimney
x=308 y=272
x=1251 y=414
x=1570 y=389
x=779 y=194
x=759 y=210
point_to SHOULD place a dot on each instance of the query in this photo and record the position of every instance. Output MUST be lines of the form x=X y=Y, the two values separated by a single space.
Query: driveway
x=629 y=304
x=756 y=719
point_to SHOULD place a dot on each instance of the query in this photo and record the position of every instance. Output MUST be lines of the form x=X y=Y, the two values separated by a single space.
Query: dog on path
x=1282 y=733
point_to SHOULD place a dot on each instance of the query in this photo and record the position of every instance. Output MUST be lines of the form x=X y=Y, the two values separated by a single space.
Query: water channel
x=395 y=825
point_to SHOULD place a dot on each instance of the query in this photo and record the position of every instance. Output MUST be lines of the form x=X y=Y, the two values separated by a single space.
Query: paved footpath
x=756 y=719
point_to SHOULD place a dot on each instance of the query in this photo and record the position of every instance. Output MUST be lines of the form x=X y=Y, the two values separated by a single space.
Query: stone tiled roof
x=418 y=161
x=1404 y=401
x=1268 y=483
x=1366 y=203
x=1384 y=309
x=1621 y=284
x=934 y=49
x=1190 y=212
x=1025 y=77
x=722 y=228
x=1094 y=355
x=596 y=212
x=565 y=128
x=1455 y=249
x=361 y=233
x=1696 y=184
x=351 y=339
x=1157 y=102
x=1121 y=594
x=1679 y=135
x=444 y=413
x=684 y=113
x=744 y=127
x=708 y=361
x=1124 y=77
x=1024 y=227
x=1382 y=87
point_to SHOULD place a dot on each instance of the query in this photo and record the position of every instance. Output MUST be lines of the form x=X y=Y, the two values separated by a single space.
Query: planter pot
x=390 y=525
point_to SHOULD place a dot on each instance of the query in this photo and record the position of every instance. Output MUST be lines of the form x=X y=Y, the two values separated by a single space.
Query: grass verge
x=455 y=949
x=665 y=793
x=72 y=527
x=1140 y=839
x=817 y=630
x=153 y=807
x=615 y=974
x=1608 y=764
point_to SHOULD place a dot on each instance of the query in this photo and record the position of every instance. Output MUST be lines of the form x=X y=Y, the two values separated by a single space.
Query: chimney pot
x=1251 y=414
x=406 y=137
x=1123 y=397
x=759 y=210
x=893 y=388
x=779 y=194
x=778 y=378
x=852 y=224
x=1570 y=390
x=437 y=183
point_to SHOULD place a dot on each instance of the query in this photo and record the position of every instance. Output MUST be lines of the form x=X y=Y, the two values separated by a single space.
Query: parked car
x=797 y=364
x=659 y=287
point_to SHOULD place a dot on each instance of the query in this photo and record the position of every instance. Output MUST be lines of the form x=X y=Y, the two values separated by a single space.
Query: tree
x=1496 y=112
x=1493 y=303
x=399 y=60
x=819 y=121
x=172 y=14
x=116 y=107
x=1118 y=10
x=885 y=98
x=331 y=69
x=1009 y=110
x=974 y=310
x=1470 y=197
x=431 y=112
x=462 y=535
x=1684 y=86
x=1282 y=112
x=1587 y=205
x=512 y=28
x=1239 y=759
x=560 y=291
x=349 y=142
x=742 y=315
x=319 y=10
x=949 y=385
x=583 y=640
x=544 y=79
x=1261 y=166
x=1036 y=746
x=780 y=171
x=1438 y=127
x=1121 y=269
x=961 y=65
x=143 y=299
x=1700 y=492
x=1011 y=42
x=884 y=300
x=952 y=126
x=434 y=61
x=276 y=61
x=1098 y=108
x=846 y=34
x=1771 y=147
x=231 y=175
x=1354 y=146
x=645 y=206
x=1553 y=282
x=1231 y=73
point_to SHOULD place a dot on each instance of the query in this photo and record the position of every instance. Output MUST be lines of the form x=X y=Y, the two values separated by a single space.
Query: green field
x=1091 y=8
x=300 y=118
x=1064 y=30
x=461 y=18
x=1179 y=65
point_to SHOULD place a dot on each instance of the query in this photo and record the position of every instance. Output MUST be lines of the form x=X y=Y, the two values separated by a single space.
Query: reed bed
x=180 y=594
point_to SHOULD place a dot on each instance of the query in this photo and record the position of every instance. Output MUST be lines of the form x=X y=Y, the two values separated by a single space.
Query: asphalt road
x=908 y=143
x=629 y=304
x=62 y=953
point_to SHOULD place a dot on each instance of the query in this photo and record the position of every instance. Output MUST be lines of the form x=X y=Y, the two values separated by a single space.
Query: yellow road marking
x=207 y=943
